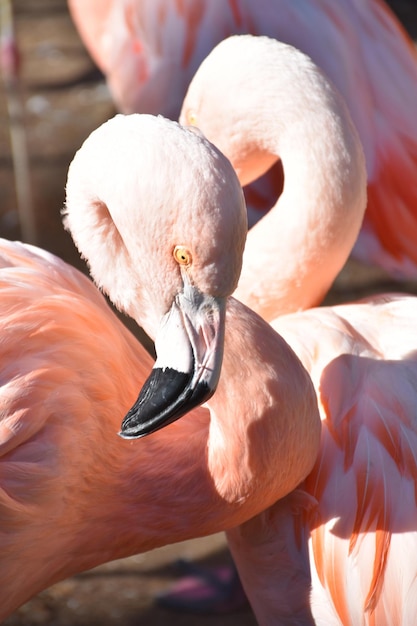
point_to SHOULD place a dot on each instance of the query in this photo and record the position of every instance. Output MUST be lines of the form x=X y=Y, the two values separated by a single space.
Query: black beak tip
x=136 y=424
x=130 y=432
x=165 y=397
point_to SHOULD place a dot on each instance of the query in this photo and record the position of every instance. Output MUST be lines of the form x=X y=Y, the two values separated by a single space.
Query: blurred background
x=65 y=98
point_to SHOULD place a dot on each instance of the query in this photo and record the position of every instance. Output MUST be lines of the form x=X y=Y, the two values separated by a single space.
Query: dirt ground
x=66 y=98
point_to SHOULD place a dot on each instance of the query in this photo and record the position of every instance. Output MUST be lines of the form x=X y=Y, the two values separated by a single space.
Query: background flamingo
x=149 y=50
x=351 y=532
x=355 y=519
x=73 y=494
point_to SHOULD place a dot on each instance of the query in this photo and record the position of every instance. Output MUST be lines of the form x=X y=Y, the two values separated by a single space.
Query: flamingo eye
x=192 y=118
x=182 y=255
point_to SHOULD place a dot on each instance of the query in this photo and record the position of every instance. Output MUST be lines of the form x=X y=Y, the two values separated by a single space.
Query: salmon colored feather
x=360 y=46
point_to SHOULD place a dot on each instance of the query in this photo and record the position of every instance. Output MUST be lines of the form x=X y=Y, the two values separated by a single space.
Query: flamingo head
x=159 y=214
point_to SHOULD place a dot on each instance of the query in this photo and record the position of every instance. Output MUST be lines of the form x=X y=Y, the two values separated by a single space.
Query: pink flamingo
x=340 y=548
x=71 y=491
x=361 y=356
x=150 y=49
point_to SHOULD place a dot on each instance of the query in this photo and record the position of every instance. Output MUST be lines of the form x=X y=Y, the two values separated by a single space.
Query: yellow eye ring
x=192 y=118
x=182 y=255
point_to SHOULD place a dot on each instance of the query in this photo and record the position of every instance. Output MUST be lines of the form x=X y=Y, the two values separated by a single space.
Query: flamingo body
x=149 y=51
x=61 y=385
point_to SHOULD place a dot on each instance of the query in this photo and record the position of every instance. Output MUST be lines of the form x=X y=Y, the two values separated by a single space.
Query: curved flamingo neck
x=269 y=438
x=310 y=231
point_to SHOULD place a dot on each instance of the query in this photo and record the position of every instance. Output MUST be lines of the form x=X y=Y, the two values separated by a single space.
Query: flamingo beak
x=189 y=348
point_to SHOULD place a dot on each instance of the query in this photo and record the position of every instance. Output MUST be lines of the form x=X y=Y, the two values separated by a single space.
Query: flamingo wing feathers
x=364 y=366
x=53 y=320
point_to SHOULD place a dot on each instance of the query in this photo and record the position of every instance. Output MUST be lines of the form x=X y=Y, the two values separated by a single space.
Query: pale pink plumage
x=342 y=546
x=339 y=550
x=150 y=49
x=72 y=493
